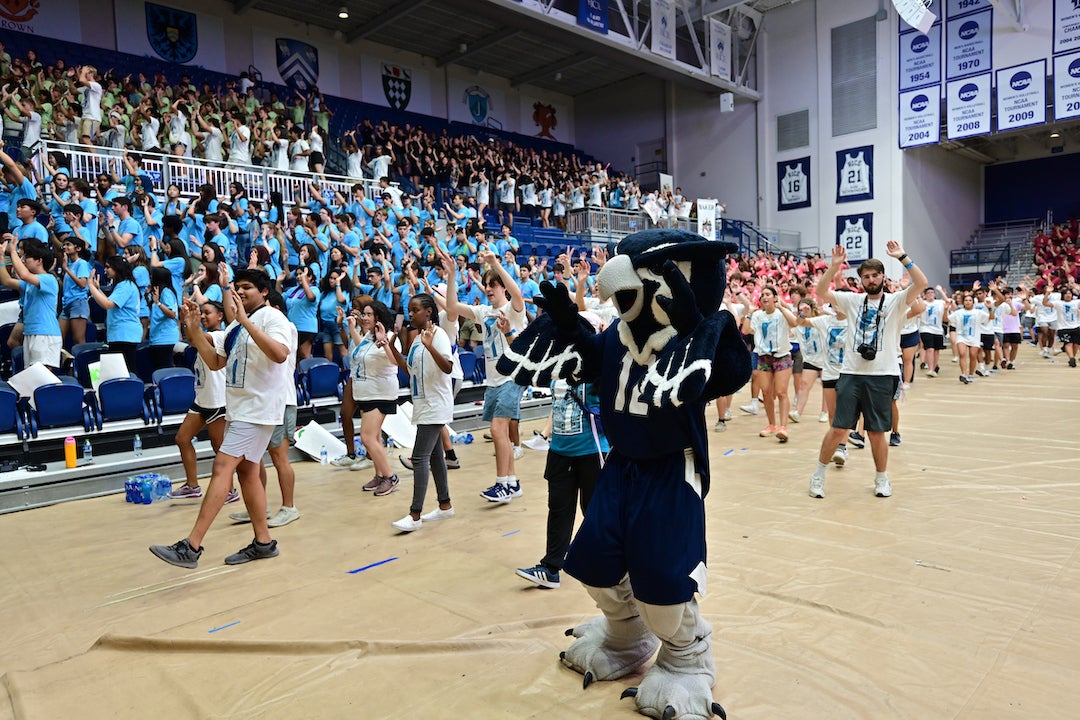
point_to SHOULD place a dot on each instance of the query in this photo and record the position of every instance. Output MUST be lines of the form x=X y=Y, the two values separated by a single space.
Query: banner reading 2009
x=1021 y=95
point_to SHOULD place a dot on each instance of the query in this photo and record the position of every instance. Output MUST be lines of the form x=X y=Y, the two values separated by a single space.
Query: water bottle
x=164 y=484
x=129 y=491
x=528 y=393
x=146 y=490
x=324 y=459
x=461 y=439
x=87 y=451
x=138 y=445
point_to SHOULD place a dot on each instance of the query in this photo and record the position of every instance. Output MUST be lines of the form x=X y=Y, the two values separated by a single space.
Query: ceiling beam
x=240 y=6
x=550 y=69
x=475 y=46
x=384 y=20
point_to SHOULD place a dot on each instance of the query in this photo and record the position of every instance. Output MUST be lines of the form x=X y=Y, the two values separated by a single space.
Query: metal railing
x=978 y=263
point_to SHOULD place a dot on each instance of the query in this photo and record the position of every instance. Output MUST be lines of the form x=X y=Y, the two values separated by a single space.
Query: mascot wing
x=542 y=353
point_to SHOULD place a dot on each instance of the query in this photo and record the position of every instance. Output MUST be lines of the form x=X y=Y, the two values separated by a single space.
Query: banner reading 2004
x=920 y=117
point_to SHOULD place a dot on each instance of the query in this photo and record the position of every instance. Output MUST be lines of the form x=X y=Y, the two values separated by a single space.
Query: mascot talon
x=669 y=713
x=588 y=679
x=569 y=632
x=628 y=692
x=718 y=709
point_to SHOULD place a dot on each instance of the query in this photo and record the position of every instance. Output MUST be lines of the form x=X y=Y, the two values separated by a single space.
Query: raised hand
x=839 y=255
x=894 y=249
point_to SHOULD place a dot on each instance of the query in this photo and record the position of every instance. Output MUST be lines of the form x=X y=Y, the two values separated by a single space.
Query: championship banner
x=969 y=45
x=719 y=49
x=793 y=184
x=917 y=14
x=855 y=234
x=57 y=19
x=855 y=174
x=920 y=58
x=968 y=107
x=151 y=29
x=706 y=218
x=956 y=8
x=1021 y=95
x=663 y=28
x=920 y=117
x=1066 y=26
x=593 y=15
x=1067 y=86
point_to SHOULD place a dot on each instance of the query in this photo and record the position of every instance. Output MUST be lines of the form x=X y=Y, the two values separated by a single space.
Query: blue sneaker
x=515 y=489
x=541 y=576
x=857 y=440
x=499 y=493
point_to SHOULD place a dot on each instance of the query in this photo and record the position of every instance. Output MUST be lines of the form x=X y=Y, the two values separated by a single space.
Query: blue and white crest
x=297 y=63
x=477 y=99
x=172 y=33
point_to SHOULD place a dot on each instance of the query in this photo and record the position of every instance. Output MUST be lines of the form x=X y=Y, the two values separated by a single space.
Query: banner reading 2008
x=968 y=107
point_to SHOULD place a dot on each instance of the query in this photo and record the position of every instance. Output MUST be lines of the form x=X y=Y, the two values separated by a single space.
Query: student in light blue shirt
x=27 y=210
x=164 y=309
x=127 y=232
x=38 y=290
x=123 y=329
x=17 y=187
x=303 y=303
x=74 y=302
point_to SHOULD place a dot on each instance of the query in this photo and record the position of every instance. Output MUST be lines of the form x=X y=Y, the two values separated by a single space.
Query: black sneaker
x=857 y=440
x=254 y=551
x=180 y=554
x=1072 y=362
x=894 y=439
x=541 y=576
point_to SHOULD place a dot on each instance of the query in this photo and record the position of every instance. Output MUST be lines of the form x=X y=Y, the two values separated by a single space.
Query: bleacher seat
x=11 y=414
x=144 y=363
x=84 y=355
x=318 y=377
x=120 y=399
x=468 y=365
x=481 y=369
x=60 y=405
x=402 y=379
x=172 y=391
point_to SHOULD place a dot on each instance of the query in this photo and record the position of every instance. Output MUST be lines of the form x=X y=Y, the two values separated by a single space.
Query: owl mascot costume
x=640 y=550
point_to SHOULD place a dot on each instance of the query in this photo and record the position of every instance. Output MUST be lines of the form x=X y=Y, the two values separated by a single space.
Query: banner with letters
x=855 y=233
x=663 y=28
x=170 y=33
x=793 y=184
x=667 y=183
x=1067 y=86
x=706 y=218
x=968 y=107
x=720 y=49
x=593 y=15
x=855 y=174
x=920 y=58
x=1066 y=26
x=969 y=45
x=957 y=8
x=917 y=14
x=54 y=19
x=920 y=117
x=1021 y=95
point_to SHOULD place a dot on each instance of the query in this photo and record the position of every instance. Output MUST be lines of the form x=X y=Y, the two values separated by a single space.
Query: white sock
x=878 y=477
x=754 y=403
x=820 y=472
x=512 y=480
x=502 y=480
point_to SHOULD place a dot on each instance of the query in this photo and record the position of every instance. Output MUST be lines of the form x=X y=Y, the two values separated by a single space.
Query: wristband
x=909 y=264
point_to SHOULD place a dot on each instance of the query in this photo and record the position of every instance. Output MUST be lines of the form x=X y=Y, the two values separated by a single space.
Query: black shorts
x=930 y=341
x=828 y=384
x=796 y=361
x=811 y=367
x=303 y=336
x=386 y=407
x=507 y=207
x=314 y=159
x=208 y=415
x=987 y=341
x=1069 y=336
x=868 y=395
x=909 y=340
x=1012 y=338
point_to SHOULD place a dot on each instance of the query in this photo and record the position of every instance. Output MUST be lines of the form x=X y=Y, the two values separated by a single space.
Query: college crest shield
x=297 y=63
x=476 y=98
x=18 y=11
x=172 y=33
x=397 y=86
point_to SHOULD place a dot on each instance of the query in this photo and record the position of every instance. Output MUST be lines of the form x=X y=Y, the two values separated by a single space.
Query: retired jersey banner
x=720 y=49
x=968 y=107
x=706 y=218
x=855 y=233
x=793 y=184
x=1066 y=25
x=593 y=15
x=920 y=58
x=855 y=174
x=1067 y=86
x=1021 y=95
x=663 y=28
x=917 y=14
x=920 y=117
x=969 y=45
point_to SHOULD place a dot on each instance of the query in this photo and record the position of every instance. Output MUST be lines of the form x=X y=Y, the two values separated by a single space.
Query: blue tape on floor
x=512 y=532
x=728 y=452
x=368 y=567
x=224 y=626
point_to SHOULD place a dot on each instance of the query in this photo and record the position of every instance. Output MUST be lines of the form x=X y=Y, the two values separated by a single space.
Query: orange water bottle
x=69 y=452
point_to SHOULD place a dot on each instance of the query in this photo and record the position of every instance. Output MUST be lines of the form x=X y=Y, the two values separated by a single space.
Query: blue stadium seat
x=481 y=368
x=120 y=399
x=17 y=364
x=172 y=392
x=144 y=363
x=468 y=365
x=11 y=413
x=5 y=352
x=319 y=377
x=59 y=406
x=84 y=354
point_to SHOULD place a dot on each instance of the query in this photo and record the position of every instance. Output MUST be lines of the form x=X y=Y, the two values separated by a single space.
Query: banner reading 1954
x=920 y=58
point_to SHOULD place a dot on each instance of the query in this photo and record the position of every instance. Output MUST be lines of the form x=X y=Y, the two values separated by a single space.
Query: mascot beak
x=618 y=279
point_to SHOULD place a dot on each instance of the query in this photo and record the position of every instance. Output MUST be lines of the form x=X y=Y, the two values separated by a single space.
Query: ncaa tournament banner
x=706 y=218
x=296 y=63
x=170 y=33
x=1021 y=95
x=855 y=233
x=793 y=184
x=920 y=117
x=1066 y=25
x=969 y=45
x=57 y=19
x=855 y=174
x=968 y=107
x=1067 y=86
x=920 y=58
x=720 y=49
x=593 y=15
x=956 y=8
x=663 y=28
x=917 y=14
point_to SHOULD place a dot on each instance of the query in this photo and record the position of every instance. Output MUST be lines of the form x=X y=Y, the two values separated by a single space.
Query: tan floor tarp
x=956 y=598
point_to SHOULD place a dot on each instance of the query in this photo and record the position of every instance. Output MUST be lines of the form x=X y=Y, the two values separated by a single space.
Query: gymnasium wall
x=1027 y=189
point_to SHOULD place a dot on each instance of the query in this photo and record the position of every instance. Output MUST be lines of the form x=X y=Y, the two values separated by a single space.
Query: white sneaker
x=437 y=514
x=823 y=417
x=407 y=524
x=343 y=462
x=362 y=464
x=519 y=452
x=817 y=486
x=931 y=374
x=284 y=516
x=536 y=442
x=727 y=414
x=243 y=516
x=882 y=487
x=720 y=426
x=794 y=416
x=750 y=409
x=955 y=359
x=839 y=455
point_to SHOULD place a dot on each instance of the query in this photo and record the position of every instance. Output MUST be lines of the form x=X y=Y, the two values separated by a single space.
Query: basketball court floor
x=955 y=598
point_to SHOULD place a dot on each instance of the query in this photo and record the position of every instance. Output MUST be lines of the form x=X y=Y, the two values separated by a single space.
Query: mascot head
x=634 y=278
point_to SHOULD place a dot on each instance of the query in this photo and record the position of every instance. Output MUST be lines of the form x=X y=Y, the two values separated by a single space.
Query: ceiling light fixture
x=343 y=13
x=1055 y=135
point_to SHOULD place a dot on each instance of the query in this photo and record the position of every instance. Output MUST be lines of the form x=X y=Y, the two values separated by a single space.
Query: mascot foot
x=667 y=695
x=609 y=650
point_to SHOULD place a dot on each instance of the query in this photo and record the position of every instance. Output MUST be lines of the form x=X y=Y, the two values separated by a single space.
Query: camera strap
x=876 y=337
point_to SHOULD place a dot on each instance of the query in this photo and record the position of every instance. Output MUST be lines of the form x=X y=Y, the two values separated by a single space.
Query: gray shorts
x=868 y=395
x=246 y=440
x=287 y=428
x=503 y=401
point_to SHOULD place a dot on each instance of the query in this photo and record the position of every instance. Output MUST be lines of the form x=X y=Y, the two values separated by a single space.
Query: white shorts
x=246 y=440
x=975 y=341
x=43 y=349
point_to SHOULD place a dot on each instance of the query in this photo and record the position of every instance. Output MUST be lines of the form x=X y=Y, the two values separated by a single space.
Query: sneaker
x=817 y=486
x=387 y=486
x=1058 y=351
x=922 y=365
x=955 y=359
x=515 y=489
x=233 y=496
x=857 y=440
x=362 y=464
x=749 y=409
x=794 y=416
x=839 y=455
x=407 y=524
x=1072 y=362
x=487 y=437
x=180 y=554
x=727 y=414
x=781 y=433
x=882 y=487
x=186 y=492
x=437 y=514
x=498 y=493
x=284 y=516
x=519 y=452
x=823 y=417
x=407 y=462
x=720 y=426
x=372 y=483
x=454 y=464
x=254 y=551
x=1010 y=366
x=345 y=461
x=964 y=379
x=541 y=576
x=894 y=439
x=931 y=374
x=243 y=516
x=1044 y=353
x=980 y=371
x=537 y=442
x=767 y=431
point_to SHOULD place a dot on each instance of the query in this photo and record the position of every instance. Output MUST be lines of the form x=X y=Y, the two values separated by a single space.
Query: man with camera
x=871 y=368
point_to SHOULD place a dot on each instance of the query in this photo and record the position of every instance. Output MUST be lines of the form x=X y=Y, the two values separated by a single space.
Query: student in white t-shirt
x=254 y=354
x=771 y=326
x=968 y=320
